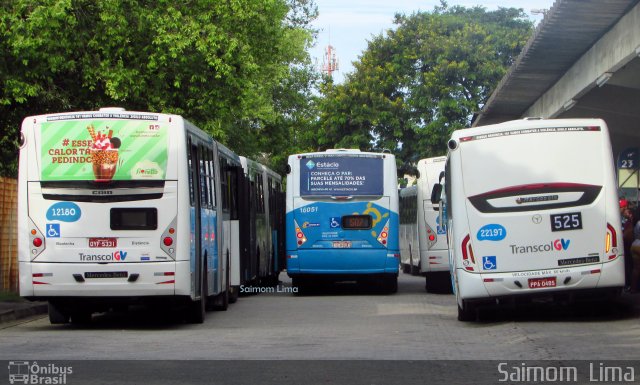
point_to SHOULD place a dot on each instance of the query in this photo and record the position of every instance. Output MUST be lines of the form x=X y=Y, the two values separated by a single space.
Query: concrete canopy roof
x=567 y=31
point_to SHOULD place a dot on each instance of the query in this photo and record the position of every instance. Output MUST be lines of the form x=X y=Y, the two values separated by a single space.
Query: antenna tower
x=330 y=61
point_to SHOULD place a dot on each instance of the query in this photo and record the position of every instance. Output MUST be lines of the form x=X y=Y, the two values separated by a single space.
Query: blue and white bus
x=118 y=207
x=342 y=217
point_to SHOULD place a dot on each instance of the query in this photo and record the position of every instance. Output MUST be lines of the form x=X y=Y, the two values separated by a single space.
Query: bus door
x=196 y=218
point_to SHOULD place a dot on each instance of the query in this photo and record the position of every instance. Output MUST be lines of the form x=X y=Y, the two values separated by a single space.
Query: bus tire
x=235 y=293
x=198 y=308
x=221 y=302
x=57 y=315
x=438 y=282
x=468 y=313
x=81 y=317
x=390 y=284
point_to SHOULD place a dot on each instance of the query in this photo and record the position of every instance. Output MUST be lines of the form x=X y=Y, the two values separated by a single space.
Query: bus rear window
x=341 y=176
x=134 y=218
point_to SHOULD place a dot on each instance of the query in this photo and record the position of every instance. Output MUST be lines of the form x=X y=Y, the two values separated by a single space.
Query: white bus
x=532 y=211
x=342 y=217
x=423 y=241
x=117 y=206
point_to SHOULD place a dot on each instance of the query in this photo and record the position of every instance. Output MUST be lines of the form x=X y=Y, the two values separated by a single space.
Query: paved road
x=340 y=323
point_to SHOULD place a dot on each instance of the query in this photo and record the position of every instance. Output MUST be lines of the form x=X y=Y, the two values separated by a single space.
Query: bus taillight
x=168 y=239
x=37 y=238
x=300 y=238
x=384 y=234
x=467 y=254
x=611 y=242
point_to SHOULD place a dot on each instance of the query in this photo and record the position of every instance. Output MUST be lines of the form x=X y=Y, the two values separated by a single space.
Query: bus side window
x=204 y=190
x=224 y=184
x=212 y=174
x=233 y=180
x=190 y=164
x=447 y=190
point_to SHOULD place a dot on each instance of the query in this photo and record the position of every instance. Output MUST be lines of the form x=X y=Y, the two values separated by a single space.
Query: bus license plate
x=106 y=274
x=342 y=244
x=103 y=242
x=539 y=283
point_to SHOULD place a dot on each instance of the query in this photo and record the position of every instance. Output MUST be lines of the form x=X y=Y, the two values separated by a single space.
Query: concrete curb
x=23 y=312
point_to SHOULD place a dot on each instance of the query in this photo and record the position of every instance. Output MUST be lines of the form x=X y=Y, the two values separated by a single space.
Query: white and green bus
x=118 y=207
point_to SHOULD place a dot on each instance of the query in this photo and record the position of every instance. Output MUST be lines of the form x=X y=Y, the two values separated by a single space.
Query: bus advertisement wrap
x=103 y=150
x=341 y=176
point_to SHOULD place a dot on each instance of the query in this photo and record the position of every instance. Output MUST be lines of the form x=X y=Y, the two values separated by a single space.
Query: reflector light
x=172 y=230
x=488 y=279
x=467 y=253
x=37 y=242
x=39 y=283
x=166 y=282
x=611 y=241
x=168 y=241
x=596 y=271
x=33 y=232
x=37 y=275
x=384 y=234
x=299 y=234
x=432 y=237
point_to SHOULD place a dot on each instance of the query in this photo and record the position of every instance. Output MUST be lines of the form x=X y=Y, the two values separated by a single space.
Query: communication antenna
x=330 y=61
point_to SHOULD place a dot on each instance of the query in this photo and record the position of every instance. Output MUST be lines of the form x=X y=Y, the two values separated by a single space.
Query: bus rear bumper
x=41 y=281
x=434 y=261
x=338 y=262
x=605 y=277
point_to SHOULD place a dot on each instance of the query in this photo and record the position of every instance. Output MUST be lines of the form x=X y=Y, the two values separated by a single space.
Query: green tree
x=421 y=80
x=221 y=64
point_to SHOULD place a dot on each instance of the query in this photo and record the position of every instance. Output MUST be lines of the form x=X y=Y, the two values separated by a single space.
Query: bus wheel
x=57 y=315
x=198 y=309
x=81 y=317
x=235 y=292
x=439 y=282
x=468 y=313
x=221 y=301
x=390 y=284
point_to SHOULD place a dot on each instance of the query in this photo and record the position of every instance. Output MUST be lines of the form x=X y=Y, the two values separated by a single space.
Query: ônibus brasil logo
x=26 y=372
x=557 y=245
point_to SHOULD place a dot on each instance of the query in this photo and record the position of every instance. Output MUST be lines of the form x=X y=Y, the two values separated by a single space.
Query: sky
x=348 y=25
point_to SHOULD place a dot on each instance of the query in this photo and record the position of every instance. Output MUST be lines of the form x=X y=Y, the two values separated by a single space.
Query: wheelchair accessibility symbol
x=489 y=263
x=53 y=230
x=335 y=222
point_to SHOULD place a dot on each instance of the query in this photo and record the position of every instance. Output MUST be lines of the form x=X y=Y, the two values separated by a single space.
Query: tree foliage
x=238 y=69
x=421 y=80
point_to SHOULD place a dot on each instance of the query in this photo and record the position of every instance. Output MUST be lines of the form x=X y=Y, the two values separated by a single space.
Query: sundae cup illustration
x=104 y=154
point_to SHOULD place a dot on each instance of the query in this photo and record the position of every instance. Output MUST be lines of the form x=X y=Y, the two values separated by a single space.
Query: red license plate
x=539 y=283
x=103 y=242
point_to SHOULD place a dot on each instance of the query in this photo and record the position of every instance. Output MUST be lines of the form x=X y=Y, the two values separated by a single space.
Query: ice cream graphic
x=104 y=154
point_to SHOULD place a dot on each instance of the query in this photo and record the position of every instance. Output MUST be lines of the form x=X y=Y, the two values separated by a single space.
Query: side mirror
x=436 y=193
